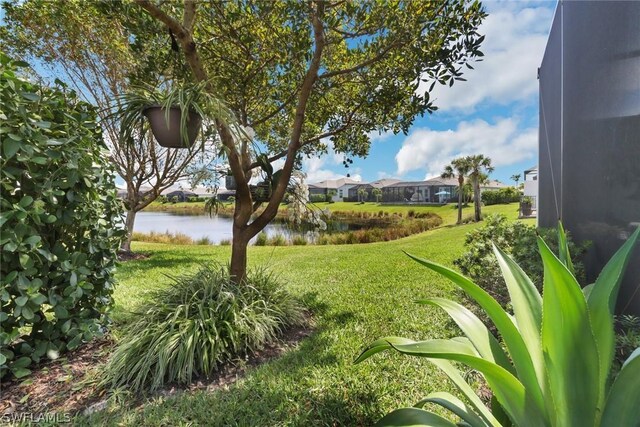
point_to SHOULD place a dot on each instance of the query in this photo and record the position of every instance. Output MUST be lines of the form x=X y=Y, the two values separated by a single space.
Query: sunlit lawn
x=357 y=293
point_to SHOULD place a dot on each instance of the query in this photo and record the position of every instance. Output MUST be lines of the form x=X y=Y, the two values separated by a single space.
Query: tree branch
x=294 y=144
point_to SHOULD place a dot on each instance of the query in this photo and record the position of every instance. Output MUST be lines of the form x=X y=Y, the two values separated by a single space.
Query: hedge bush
x=517 y=239
x=504 y=195
x=61 y=222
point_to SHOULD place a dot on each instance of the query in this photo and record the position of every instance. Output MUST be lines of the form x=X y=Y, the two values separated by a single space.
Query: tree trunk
x=460 y=195
x=128 y=222
x=476 y=199
x=238 y=268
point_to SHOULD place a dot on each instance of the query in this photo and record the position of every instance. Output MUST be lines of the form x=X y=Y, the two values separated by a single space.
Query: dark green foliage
x=504 y=195
x=627 y=338
x=318 y=198
x=61 y=222
x=517 y=239
x=261 y=239
x=186 y=330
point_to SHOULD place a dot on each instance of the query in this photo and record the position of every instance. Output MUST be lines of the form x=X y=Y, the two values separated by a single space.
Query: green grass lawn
x=357 y=293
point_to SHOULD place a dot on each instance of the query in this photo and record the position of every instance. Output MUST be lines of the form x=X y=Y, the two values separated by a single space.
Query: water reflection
x=218 y=228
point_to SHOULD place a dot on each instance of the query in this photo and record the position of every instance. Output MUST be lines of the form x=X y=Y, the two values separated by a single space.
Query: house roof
x=532 y=169
x=443 y=181
x=335 y=183
x=494 y=184
x=384 y=182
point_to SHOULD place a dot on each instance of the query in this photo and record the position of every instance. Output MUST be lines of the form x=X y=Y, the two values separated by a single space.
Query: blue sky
x=495 y=112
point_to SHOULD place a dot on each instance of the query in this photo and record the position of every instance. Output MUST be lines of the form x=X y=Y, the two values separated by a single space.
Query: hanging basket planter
x=167 y=132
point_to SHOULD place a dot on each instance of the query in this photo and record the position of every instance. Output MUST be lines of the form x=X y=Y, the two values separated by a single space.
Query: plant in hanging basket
x=175 y=116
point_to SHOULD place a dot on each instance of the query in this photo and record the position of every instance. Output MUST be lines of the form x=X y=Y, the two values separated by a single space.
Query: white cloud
x=318 y=168
x=516 y=36
x=430 y=150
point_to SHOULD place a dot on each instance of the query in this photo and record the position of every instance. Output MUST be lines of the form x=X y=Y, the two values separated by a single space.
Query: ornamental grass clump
x=554 y=365
x=188 y=329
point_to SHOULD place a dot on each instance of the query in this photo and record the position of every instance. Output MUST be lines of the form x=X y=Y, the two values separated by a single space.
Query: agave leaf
x=563 y=249
x=566 y=333
x=505 y=325
x=527 y=308
x=623 y=403
x=380 y=345
x=508 y=390
x=455 y=405
x=481 y=338
x=602 y=301
x=469 y=393
x=407 y=417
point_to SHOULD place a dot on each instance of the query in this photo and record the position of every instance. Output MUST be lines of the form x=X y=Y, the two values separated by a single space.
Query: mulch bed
x=57 y=387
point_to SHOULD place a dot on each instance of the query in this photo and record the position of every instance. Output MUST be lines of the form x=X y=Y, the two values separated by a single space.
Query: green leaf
x=380 y=345
x=510 y=334
x=10 y=147
x=26 y=201
x=527 y=308
x=469 y=393
x=602 y=302
x=482 y=339
x=623 y=403
x=21 y=300
x=22 y=362
x=455 y=405
x=27 y=313
x=413 y=417
x=563 y=249
x=508 y=390
x=20 y=372
x=571 y=355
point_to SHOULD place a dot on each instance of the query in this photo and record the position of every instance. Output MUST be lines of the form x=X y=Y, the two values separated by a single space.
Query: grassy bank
x=448 y=212
x=357 y=293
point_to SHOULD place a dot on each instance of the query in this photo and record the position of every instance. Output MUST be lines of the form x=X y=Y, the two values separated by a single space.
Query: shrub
x=200 y=321
x=503 y=195
x=225 y=242
x=277 y=240
x=411 y=213
x=299 y=241
x=555 y=366
x=261 y=239
x=61 y=222
x=165 y=238
x=203 y=241
x=515 y=238
x=317 y=198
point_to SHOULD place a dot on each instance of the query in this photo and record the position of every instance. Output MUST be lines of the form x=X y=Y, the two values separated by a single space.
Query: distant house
x=531 y=185
x=492 y=185
x=180 y=195
x=340 y=186
x=436 y=190
x=122 y=191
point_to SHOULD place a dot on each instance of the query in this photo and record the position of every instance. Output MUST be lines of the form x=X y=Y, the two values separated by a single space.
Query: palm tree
x=516 y=178
x=479 y=169
x=363 y=194
x=377 y=193
x=459 y=168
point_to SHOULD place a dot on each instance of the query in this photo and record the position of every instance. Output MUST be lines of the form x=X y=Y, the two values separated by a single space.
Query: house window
x=341 y=193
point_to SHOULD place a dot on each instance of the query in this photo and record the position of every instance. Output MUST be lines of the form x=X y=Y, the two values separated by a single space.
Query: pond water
x=217 y=228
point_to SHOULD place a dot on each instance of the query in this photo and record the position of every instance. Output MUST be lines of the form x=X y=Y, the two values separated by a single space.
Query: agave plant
x=555 y=367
